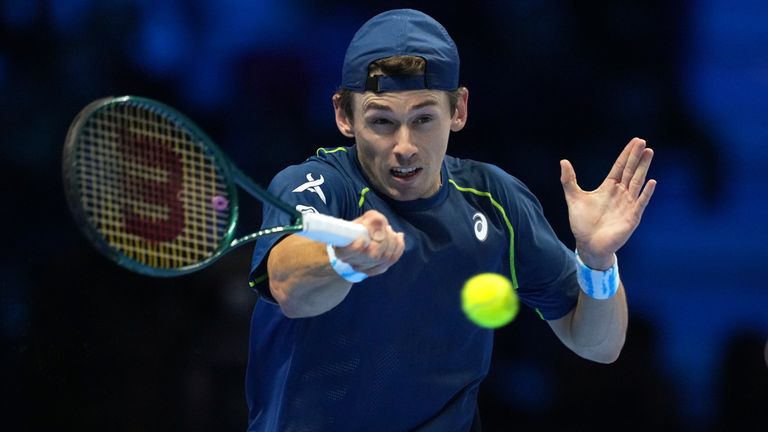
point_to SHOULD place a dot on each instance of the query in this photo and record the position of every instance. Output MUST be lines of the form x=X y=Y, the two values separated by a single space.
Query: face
x=402 y=138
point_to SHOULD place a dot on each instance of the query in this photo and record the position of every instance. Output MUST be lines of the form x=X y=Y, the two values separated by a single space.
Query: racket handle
x=328 y=229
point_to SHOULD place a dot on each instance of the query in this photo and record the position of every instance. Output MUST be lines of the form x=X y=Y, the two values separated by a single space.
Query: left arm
x=595 y=329
x=602 y=221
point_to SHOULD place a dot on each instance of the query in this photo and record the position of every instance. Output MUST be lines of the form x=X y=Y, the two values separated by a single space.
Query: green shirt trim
x=500 y=209
x=325 y=150
x=362 y=197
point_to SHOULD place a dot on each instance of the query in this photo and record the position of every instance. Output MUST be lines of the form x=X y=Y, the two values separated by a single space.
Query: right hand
x=377 y=256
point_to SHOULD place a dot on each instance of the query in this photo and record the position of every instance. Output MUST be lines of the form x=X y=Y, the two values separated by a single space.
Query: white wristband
x=343 y=269
x=598 y=284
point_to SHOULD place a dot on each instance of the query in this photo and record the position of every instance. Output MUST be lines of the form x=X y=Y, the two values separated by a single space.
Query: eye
x=382 y=125
x=380 y=121
x=423 y=119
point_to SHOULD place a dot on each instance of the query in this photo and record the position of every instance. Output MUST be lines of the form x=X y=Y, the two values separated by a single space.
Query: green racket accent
x=151 y=190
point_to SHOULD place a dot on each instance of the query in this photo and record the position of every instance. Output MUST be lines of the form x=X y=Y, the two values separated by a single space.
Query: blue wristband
x=343 y=269
x=598 y=284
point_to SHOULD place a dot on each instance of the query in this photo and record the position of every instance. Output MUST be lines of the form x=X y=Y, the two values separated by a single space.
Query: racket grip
x=328 y=229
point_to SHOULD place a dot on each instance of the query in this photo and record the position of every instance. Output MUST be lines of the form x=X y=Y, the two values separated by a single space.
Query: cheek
x=368 y=155
x=364 y=146
x=439 y=144
x=369 y=146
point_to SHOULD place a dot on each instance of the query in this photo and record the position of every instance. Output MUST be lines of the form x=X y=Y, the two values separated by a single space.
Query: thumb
x=376 y=223
x=568 y=177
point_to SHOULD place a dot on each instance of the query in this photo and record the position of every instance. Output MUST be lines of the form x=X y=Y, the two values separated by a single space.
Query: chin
x=411 y=195
x=400 y=195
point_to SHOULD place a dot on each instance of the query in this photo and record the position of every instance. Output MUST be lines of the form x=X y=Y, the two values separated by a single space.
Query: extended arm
x=302 y=280
x=602 y=221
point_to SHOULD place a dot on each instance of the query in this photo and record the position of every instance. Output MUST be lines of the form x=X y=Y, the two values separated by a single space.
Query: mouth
x=405 y=173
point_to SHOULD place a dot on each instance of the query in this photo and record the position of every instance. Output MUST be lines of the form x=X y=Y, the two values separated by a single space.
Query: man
x=371 y=336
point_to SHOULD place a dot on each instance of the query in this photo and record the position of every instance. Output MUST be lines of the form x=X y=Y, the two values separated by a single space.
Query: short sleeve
x=312 y=187
x=545 y=267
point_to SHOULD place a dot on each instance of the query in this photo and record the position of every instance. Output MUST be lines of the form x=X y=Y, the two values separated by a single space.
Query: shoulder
x=484 y=177
x=327 y=182
x=507 y=193
x=326 y=168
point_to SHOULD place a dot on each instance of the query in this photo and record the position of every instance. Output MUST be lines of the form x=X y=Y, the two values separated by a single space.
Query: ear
x=342 y=121
x=460 y=115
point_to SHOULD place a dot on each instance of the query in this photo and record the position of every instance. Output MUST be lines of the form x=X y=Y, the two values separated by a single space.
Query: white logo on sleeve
x=481 y=226
x=305 y=209
x=312 y=185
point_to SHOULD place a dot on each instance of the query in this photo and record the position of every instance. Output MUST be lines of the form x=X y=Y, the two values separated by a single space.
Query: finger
x=354 y=249
x=645 y=197
x=387 y=247
x=568 y=178
x=364 y=241
x=638 y=179
x=378 y=249
x=387 y=260
x=621 y=161
x=397 y=253
x=399 y=247
x=378 y=269
x=378 y=235
x=632 y=162
x=375 y=222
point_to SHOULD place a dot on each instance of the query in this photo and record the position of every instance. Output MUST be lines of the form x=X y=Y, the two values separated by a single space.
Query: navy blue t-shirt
x=397 y=354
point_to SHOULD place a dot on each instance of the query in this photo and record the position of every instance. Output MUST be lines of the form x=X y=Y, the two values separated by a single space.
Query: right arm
x=302 y=280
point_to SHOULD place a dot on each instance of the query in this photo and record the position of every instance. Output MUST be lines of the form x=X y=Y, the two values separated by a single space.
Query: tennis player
x=371 y=337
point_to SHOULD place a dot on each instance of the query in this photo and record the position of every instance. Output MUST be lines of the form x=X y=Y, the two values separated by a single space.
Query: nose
x=404 y=147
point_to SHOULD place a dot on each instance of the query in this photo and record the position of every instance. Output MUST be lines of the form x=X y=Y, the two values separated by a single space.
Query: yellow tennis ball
x=489 y=300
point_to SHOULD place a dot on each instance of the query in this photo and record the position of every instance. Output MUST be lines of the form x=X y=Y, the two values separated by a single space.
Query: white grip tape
x=331 y=230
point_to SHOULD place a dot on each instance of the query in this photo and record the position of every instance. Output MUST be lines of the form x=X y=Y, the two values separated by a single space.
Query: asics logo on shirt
x=305 y=209
x=312 y=185
x=481 y=226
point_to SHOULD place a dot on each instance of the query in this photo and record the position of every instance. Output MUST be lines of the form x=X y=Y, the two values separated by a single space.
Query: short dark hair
x=391 y=66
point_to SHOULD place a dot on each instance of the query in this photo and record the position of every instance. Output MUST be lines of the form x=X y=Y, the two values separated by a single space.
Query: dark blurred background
x=89 y=346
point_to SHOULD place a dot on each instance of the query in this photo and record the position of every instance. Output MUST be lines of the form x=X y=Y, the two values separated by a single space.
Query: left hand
x=603 y=220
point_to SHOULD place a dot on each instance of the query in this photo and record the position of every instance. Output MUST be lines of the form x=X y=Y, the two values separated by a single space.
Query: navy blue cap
x=401 y=32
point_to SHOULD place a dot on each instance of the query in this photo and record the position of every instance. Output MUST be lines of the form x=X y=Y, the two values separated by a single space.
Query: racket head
x=147 y=187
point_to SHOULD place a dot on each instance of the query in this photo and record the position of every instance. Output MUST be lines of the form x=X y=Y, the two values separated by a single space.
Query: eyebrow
x=377 y=106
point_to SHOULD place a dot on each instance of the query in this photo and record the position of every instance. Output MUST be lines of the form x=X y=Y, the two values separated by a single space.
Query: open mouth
x=405 y=173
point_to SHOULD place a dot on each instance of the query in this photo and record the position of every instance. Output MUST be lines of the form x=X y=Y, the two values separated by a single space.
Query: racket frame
x=230 y=173
x=317 y=227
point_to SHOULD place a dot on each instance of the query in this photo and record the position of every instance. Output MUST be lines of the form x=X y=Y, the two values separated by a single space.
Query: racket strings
x=150 y=187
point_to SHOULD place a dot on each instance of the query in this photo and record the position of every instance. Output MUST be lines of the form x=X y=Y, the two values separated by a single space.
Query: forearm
x=596 y=329
x=301 y=278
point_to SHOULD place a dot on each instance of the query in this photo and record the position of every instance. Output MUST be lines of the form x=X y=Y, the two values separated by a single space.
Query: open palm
x=603 y=220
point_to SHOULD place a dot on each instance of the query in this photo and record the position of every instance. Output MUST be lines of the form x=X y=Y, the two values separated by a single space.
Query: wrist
x=343 y=269
x=598 y=284
x=596 y=262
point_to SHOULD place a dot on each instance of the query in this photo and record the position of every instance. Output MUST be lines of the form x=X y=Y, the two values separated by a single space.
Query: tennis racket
x=153 y=193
